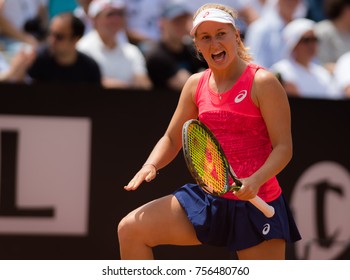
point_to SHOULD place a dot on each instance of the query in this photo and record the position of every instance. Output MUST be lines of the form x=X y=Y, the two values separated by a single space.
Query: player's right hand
x=147 y=173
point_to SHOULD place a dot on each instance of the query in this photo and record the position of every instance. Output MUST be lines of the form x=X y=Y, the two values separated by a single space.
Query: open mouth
x=219 y=56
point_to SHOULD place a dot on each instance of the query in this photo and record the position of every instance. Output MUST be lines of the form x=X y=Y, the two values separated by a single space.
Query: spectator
x=264 y=36
x=334 y=32
x=142 y=21
x=173 y=60
x=22 y=21
x=122 y=64
x=341 y=74
x=300 y=75
x=81 y=12
x=60 y=61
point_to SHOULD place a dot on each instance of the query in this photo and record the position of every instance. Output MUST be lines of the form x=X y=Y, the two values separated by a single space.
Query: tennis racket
x=209 y=166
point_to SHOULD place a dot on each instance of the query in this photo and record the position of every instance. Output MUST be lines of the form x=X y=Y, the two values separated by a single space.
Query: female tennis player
x=248 y=111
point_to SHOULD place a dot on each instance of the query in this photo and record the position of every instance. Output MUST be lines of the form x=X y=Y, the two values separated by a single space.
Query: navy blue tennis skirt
x=235 y=224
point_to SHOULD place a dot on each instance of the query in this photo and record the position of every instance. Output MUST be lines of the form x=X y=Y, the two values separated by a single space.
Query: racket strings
x=207 y=159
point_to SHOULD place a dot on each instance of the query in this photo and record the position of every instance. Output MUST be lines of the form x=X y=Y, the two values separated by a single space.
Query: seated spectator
x=122 y=64
x=60 y=61
x=341 y=74
x=82 y=10
x=264 y=36
x=172 y=61
x=334 y=32
x=22 y=21
x=300 y=75
x=142 y=22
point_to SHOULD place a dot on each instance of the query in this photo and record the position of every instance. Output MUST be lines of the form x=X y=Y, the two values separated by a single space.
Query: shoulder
x=324 y=27
x=88 y=40
x=194 y=78
x=191 y=85
x=264 y=76
x=320 y=71
x=344 y=59
x=282 y=65
x=266 y=85
x=84 y=58
x=131 y=49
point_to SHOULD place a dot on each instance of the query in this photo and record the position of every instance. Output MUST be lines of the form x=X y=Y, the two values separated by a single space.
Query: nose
x=214 y=43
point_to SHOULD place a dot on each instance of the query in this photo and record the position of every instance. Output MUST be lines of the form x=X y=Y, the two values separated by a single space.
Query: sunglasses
x=308 y=40
x=120 y=13
x=57 y=36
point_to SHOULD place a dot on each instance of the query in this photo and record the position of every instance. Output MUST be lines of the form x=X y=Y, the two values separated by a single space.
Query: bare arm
x=272 y=100
x=19 y=66
x=7 y=29
x=179 y=79
x=140 y=82
x=169 y=145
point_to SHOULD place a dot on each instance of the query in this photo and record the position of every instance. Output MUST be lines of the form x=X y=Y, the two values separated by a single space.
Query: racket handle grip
x=265 y=208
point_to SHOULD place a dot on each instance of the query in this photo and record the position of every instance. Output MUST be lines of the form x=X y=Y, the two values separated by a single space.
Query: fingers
x=133 y=184
x=244 y=193
x=145 y=174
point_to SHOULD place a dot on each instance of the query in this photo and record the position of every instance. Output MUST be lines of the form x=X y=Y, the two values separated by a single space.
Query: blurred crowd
x=145 y=44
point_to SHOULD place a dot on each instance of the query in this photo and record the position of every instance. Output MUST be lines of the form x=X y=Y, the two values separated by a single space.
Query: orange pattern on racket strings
x=214 y=166
x=207 y=160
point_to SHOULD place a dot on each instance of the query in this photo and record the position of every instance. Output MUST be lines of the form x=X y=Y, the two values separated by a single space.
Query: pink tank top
x=239 y=126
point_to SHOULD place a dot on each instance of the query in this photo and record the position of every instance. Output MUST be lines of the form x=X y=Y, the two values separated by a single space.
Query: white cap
x=212 y=14
x=294 y=30
x=97 y=6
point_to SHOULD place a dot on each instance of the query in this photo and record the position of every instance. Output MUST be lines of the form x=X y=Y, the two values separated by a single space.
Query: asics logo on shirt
x=266 y=229
x=241 y=95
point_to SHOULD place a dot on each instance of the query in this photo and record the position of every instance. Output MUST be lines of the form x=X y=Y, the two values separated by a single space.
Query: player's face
x=217 y=42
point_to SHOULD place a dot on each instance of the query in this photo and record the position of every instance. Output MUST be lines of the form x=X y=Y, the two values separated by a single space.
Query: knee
x=126 y=229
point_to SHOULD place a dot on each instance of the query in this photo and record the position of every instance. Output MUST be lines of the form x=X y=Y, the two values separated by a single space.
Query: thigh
x=163 y=221
x=274 y=249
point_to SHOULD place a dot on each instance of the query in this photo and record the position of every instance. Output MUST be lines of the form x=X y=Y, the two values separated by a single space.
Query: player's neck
x=224 y=80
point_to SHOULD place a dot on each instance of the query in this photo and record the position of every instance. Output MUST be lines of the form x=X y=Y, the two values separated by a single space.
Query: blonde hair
x=242 y=49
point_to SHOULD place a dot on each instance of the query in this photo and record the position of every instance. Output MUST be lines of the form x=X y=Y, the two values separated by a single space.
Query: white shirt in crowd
x=122 y=63
x=341 y=72
x=312 y=82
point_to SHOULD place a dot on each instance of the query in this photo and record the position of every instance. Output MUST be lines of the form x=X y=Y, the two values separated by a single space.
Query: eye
x=205 y=37
x=221 y=34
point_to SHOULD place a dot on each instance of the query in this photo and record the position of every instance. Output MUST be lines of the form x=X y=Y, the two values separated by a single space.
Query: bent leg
x=274 y=249
x=161 y=221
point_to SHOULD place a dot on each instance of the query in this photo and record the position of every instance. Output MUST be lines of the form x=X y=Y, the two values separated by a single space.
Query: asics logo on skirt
x=266 y=229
